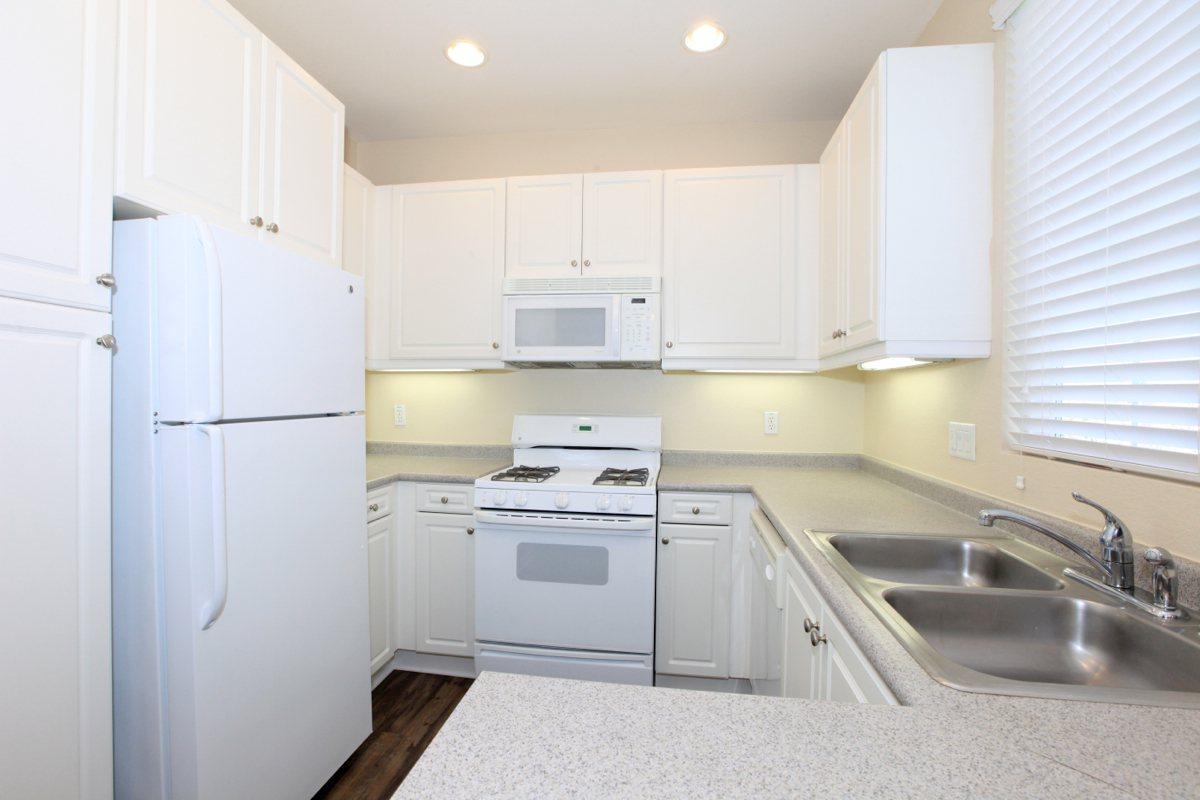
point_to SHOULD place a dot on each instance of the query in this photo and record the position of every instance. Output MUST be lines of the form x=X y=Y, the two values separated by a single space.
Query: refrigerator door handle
x=211 y=610
x=212 y=268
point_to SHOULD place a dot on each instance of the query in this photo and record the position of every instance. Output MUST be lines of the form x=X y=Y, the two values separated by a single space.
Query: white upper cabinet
x=622 y=224
x=303 y=139
x=545 y=232
x=213 y=119
x=739 y=268
x=606 y=224
x=56 y=143
x=358 y=223
x=190 y=82
x=433 y=296
x=906 y=211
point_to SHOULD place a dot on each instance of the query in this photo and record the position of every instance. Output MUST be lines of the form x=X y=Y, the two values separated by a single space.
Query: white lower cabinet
x=55 y=537
x=445 y=562
x=380 y=578
x=820 y=661
x=694 y=593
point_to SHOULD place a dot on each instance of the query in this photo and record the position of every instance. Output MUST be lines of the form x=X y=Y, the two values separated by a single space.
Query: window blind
x=1102 y=233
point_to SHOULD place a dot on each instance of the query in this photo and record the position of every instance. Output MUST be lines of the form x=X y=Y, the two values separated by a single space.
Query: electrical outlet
x=962 y=440
x=401 y=415
x=771 y=423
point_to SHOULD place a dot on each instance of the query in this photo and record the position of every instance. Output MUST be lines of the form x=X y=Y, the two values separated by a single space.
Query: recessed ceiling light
x=466 y=54
x=704 y=38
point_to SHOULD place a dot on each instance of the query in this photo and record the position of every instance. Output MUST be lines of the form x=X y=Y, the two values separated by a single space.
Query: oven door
x=551 y=582
x=568 y=327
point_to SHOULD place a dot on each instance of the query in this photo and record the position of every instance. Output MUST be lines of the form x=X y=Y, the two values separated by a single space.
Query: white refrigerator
x=240 y=622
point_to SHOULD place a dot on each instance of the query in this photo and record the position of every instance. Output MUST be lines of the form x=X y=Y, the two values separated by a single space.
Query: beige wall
x=817 y=414
x=907 y=411
x=498 y=156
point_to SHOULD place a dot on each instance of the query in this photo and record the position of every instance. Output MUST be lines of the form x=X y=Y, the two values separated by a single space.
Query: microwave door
x=562 y=328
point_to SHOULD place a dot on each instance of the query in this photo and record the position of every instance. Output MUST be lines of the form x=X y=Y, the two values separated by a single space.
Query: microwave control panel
x=641 y=327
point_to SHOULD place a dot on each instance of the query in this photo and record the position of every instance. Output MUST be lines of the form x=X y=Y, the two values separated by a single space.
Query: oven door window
x=583 y=565
x=561 y=327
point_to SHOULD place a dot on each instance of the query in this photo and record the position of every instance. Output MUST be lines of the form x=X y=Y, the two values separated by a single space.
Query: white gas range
x=564 y=550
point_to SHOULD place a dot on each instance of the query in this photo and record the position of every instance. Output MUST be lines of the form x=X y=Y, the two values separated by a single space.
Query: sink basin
x=1050 y=639
x=939 y=561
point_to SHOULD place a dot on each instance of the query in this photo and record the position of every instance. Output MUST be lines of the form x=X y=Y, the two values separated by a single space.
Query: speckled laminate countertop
x=523 y=736
x=385 y=469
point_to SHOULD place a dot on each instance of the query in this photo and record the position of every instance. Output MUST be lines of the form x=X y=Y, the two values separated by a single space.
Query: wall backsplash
x=817 y=413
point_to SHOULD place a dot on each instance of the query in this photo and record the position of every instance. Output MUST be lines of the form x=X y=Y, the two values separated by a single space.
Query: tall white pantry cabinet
x=55 y=355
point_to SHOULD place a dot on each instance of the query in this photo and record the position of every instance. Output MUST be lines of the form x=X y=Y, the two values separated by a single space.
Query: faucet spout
x=988 y=517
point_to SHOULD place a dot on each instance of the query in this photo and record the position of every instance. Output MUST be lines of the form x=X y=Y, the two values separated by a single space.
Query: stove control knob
x=627 y=502
x=521 y=498
x=603 y=501
x=500 y=497
x=562 y=500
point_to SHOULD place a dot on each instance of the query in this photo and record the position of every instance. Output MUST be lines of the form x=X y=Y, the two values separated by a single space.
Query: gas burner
x=523 y=474
x=622 y=477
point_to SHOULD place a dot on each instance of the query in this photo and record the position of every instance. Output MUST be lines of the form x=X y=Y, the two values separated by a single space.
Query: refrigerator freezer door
x=248 y=330
x=266 y=614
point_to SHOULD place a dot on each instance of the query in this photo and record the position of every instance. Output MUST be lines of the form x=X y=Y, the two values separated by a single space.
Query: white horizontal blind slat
x=1102 y=233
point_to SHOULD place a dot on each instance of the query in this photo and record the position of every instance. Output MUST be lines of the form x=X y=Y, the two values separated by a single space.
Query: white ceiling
x=583 y=64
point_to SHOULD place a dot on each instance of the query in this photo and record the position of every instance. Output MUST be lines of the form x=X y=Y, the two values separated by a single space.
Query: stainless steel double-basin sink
x=996 y=614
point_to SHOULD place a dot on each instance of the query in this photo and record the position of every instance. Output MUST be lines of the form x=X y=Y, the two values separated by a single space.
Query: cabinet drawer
x=379 y=503
x=697 y=509
x=451 y=498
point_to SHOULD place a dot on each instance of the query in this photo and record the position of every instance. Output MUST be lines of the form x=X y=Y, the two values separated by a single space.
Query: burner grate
x=524 y=474
x=622 y=477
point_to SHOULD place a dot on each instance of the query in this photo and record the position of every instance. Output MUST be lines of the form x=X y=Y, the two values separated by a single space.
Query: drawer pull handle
x=445 y=500
x=373 y=507
x=665 y=540
x=470 y=531
x=695 y=509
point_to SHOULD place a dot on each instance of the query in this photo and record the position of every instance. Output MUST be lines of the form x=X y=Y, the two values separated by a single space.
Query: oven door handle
x=592 y=522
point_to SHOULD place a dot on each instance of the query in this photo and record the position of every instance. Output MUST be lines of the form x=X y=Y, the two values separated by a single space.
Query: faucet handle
x=1116 y=533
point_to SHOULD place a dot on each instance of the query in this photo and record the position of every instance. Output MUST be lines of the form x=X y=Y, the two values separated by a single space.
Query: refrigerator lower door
x=266 y=621
x=243 y=329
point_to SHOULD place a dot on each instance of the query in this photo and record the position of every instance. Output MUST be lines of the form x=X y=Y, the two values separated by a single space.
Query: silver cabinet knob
x=810 y=626
x=470 y=531
x=695 y=509
x=670 y=344
x=107 y=280
x=495 y=345
x=257 y=222
x=666 y=540
x=373 y=507
x=574 y=262
x=587 y=262
x=107 y=341
x=815 y=638
x=445 y=500
x=273 y=228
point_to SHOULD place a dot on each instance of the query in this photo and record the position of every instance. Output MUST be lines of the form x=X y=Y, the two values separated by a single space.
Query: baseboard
x=727 y=685
x=412 y=661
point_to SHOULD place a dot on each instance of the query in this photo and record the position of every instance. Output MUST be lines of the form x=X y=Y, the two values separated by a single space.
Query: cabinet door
x=545 y=224
x=303 y=139
x=622 y=224
x=445 y=272
x=445 y=584
x=56 y=660
x=188 y=118
x=832 y=291
x=358 y=211
x=379 y=589
x=801 y=663
x=56 y=150
x=846 y=675
x=694 y=593
x=729 y=263
x=863 y=265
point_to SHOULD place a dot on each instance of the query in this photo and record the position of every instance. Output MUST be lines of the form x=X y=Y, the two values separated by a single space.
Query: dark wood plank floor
x=408 y=710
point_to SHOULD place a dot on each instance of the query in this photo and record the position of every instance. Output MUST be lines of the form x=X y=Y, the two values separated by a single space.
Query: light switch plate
x=771 y=423
x=962 y=440
x=401 y=415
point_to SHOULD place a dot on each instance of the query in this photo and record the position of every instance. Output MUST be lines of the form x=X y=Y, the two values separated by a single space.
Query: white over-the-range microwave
x=582 y=322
